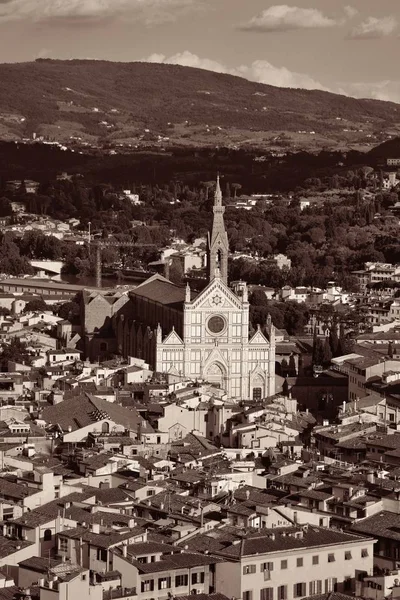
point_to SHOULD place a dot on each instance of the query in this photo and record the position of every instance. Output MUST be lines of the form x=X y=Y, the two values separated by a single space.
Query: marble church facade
x=203 y=336
x=215 y=345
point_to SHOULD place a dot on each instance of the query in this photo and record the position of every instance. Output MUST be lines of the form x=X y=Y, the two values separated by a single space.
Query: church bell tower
x=218 y=247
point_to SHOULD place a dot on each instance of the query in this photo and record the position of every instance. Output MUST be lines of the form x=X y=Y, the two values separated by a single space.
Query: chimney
x=125 y=550
x=95 y=528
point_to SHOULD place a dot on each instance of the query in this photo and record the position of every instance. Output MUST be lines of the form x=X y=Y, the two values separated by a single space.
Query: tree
x=292 y=366
x=5 y=207
x=236 y=187
x=176 y=273
x=16 y=351
x=284 y=367
x=334 y=339
x=38 y=304
x=327 y=353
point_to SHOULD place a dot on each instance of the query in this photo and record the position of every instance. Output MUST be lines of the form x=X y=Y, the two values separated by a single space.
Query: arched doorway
x=257 y=385
x=215 y=375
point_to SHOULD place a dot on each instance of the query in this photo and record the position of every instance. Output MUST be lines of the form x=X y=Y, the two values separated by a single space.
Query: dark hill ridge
x=117 y=101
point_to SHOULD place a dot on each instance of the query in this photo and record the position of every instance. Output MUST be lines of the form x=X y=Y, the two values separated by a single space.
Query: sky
x=344 y=46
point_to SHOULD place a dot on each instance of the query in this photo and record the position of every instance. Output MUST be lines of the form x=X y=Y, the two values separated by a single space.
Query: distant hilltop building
x=393 y=162
x=279 y=260
x=374 y=272
x=204 y=336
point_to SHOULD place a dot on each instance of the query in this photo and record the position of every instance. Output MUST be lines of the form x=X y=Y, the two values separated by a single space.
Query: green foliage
x=15 y=350
x=36 y=305
x=39 y=91
x=285 y=315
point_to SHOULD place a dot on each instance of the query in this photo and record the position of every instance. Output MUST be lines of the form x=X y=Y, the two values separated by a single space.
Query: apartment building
x=293 y=563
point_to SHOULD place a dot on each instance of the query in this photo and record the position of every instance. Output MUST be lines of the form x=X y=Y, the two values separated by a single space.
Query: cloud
x=350 y=12
x=377 y=90
x=260 y=71
x=90 y=10
x=373 y=28
x=285 y=18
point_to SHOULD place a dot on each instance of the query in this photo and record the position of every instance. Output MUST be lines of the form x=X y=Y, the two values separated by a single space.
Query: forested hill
x=119 y=101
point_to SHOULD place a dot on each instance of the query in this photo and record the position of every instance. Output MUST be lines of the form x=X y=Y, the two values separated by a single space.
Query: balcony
x=119 y=592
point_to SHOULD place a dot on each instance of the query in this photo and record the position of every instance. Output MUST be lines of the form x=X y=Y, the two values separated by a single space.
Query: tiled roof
x=214 y=596
x=39 y=564
x=80 y=411
x=9 y=546
x=50 y=511
x=273 y=541
x=332 y=596
x=15 y=491
x=315 y=495
x=102 y=540
x=384 y=524
x=160 y=290
x=141 y=548
x=177 y=561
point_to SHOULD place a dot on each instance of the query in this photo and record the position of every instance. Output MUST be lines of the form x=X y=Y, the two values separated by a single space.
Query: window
x=102 y=554
x=84 y=577
x=62 y=545
x=248 y=595
x=181 y=580
x=331 y=558
x=347 y=555
x=283 y=564
x=299 y=562
x=164 y=583
x=267 y=566
x=267 y=594
x=247 y=569
x=198 y=577
x=47 y=535
x=315 y=587
x=315 y=560
x=142 y=560
x=364 y=553
x=282 y=592
x=147 y=585
x=330 y=585
x=299 y=590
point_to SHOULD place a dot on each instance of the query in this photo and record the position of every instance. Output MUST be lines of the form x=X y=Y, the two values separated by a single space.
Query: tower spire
x=218 y=247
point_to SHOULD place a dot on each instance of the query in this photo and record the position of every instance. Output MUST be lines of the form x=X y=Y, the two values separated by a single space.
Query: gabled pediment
x=215 y=357
x=172 y=339
x=258 y=339
x=216 y=295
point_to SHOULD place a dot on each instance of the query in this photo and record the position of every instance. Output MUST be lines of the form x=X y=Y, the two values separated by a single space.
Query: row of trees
x=340 y=233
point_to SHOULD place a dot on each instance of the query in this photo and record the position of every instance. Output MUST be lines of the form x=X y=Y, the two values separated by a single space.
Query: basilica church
x=203 y=336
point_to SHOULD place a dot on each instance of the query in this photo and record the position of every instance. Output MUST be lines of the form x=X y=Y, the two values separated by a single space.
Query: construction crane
x=112 y=244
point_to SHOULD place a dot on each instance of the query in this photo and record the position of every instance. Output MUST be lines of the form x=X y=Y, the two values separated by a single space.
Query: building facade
x=205 y=335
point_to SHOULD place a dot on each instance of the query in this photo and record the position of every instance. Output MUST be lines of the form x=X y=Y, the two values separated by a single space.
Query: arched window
x=47 y=535
x=105 y=428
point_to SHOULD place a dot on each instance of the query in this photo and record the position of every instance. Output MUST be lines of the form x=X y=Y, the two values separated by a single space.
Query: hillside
x=137 y=103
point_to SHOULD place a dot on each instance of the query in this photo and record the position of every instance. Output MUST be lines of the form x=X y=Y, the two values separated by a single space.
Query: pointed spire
x=218 y=193
x=187 y=293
